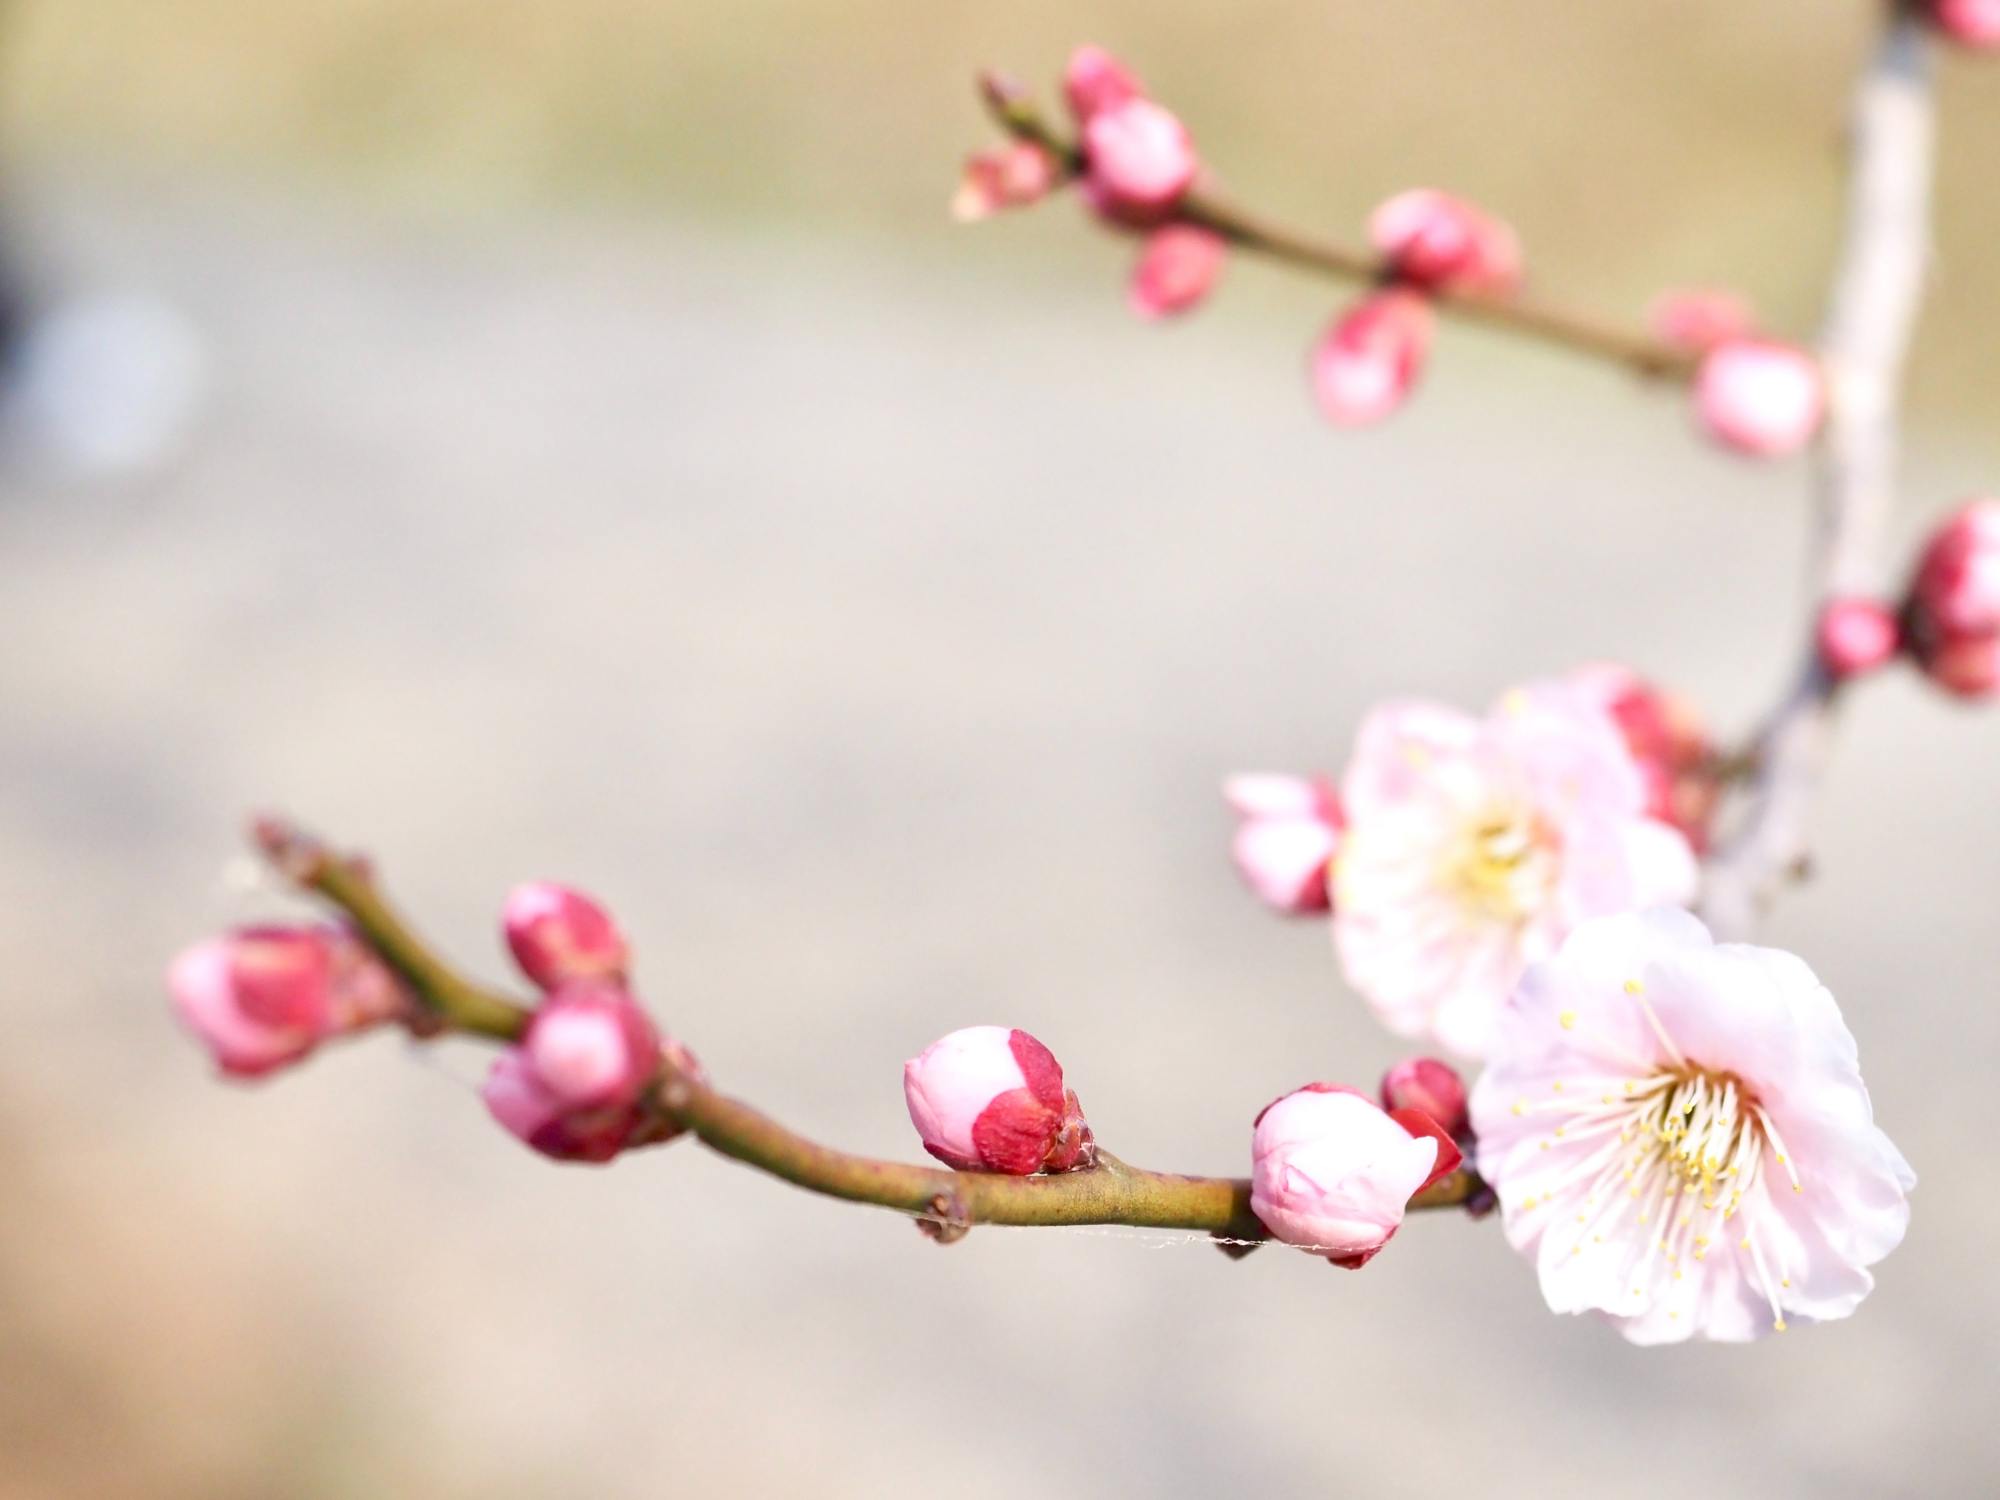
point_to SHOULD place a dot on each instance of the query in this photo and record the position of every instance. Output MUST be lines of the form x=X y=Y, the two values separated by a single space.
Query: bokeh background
x=569 y=440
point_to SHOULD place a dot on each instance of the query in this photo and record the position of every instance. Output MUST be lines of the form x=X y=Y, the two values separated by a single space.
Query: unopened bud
x=1432 y=239
x=1011 y=176
x=558 y=934
x=1365 y=365
x=1332 y=1174
x=1095 y=81
x=1431 y=1088
x=1178 y=265
x=1760 y=397
x=1668 y=741
x=1971 y=23
x=1953 y=612
x=1286 y=841
x=1854 y=636
x=1698 y=320
x=987 y=1098
x=1138 y=157
x=257 y=998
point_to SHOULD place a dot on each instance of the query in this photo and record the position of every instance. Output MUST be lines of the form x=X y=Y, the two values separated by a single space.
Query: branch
x=1876 y=295
x=1111 y=1192
x=1638 y=351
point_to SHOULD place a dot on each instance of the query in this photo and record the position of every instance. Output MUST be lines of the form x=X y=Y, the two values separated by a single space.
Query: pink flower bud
x=1854 y=636
x=574 y=1086
x=1289 y=831
x=1332 y=1174
x=1432 y=239
x=987 y=1098
x=1759 y=397
x=1178 y=265
x=1699 y=320
x=558 y=934
x=1429 y=1087
x=1365 y=364
x=258 y=998
x=1095 y=81
x=1973 y=23
x=1954 y=607
x=1012 y=176
x=1137 y=157
x=1668 y=741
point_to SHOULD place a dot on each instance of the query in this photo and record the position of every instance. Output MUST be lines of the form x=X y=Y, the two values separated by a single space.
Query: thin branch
x=1876 y=295
x=1111 y=1192
x=1511 y=312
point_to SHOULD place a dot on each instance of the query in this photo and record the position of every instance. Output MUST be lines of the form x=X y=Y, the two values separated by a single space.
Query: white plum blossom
x=1473 y=846
x=1680 y=1137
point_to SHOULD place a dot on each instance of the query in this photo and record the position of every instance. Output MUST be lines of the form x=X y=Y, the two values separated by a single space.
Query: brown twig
x=1873 y=310
x=1206 y=206
x=1110 y=1192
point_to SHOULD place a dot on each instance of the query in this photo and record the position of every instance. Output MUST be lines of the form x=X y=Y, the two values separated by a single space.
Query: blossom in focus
x=1473 y=846
x=1010 y=176
x=1429 y=1086
x=1668 y=741
x=1974 y=23
x=1431 y=239
x=1680 y=1137
x=1332 y=1174
x=1953 y=612
x=1178 y=266
x=1138 y=158
x=260 y=998
x=1365 y=364
x=573 y=1086
x=557 y=934
x=1854 y=636
x=987 y=1098
x=1284 y=844
x=1698 y=320
x=1759 y=396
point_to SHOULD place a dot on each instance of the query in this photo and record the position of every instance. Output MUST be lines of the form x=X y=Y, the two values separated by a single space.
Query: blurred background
x=569 y=441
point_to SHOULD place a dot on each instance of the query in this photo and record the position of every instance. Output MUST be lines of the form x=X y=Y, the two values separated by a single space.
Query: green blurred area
x=1636 y=144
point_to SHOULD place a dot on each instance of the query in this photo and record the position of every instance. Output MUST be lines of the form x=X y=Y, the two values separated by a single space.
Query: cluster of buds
x=991 y=1099
x=1370 y=357
x=262 y=998
x=1753 y=394
x=1970 y=23
x=574 y=1086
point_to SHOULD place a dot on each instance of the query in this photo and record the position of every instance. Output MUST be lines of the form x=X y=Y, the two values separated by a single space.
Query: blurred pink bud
x=258 y=998
x=591 y=1045
x=1759 y=397
x=1854 y=636
x=1432 y=239
x=1365 y=364
x=1431 y=1088
x=1954 y=608
x=1668 y=741
x=1178 y=265
x=1289 y=831
x=1332 y=1174
x=1137 y=156
x=1096 y=81
x=1011 y=176
x=558 y=934
x=573 y=1088
x=1698 y=320
x=987 y=1098
x=1974 y=23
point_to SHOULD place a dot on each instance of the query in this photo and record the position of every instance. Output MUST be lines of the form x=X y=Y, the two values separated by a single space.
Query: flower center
x=1503 y=864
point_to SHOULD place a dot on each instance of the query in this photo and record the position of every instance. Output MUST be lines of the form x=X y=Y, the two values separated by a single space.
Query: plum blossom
x=1680 y=1137
x=1473 y=846
x=987 y=1098
x=1284 y=845
x=1332 y=1174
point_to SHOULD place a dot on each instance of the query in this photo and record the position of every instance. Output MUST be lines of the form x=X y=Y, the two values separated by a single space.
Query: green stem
x=1109 y=1192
